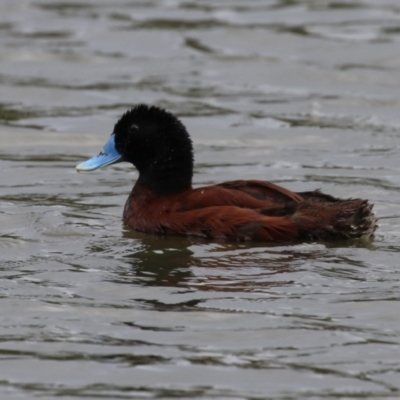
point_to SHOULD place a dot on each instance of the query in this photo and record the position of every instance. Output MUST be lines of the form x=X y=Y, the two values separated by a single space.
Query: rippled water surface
x=303 y=93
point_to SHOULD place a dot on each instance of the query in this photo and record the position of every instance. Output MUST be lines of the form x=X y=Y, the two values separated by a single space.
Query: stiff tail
x=327 y=218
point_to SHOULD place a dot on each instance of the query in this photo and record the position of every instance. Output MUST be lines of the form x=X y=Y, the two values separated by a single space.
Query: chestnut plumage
x=163 y=201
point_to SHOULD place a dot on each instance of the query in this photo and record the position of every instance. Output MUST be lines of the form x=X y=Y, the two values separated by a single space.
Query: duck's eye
x=133 y=128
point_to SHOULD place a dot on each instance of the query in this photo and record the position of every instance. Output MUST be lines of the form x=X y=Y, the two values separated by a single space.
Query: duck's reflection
x=197 y=264
x=162 y=261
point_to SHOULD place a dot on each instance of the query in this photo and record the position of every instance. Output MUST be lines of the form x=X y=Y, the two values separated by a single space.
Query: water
x=302 y=93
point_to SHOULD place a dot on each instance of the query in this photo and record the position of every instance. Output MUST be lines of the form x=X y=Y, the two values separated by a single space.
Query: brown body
x=248 y=210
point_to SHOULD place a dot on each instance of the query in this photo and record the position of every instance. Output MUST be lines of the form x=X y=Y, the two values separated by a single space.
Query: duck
x=163 y=200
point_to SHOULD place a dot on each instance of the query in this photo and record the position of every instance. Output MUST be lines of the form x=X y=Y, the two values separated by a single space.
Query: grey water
x=304 y=93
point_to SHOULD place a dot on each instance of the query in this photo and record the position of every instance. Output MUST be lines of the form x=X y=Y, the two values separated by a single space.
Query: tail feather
x=357 y=221
x=327 y=218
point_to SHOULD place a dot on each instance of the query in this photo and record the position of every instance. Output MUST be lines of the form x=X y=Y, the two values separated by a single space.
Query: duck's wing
x=262 y=190
x=244 y=194
x=229 y=222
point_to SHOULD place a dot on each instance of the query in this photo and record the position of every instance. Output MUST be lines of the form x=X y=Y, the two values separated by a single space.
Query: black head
x=158 y=145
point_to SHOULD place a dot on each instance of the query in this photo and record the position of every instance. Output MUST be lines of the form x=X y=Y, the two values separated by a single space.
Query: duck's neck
x=169 y=174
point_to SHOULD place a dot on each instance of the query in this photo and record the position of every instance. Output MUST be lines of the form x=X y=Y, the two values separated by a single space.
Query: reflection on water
x=302 y=93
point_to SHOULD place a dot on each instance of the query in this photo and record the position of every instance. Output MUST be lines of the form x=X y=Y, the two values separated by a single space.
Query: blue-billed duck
x=164 y=202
